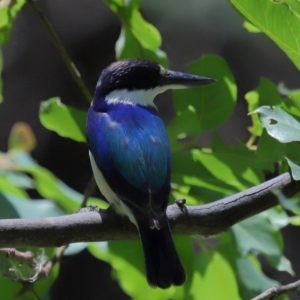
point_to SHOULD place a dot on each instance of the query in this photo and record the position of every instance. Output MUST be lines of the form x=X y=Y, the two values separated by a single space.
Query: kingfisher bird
x=131 y=159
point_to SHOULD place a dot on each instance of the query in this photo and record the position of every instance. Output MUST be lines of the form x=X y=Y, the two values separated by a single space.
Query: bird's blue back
x=131 y=148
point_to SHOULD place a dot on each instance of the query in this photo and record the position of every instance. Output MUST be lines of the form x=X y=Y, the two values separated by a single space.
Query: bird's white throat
x=134 y=97
x=138 y=97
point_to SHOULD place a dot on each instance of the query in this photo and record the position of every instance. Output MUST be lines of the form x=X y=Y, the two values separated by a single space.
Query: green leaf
x=8 y=12
x=127 y=261
x=265 y=94
x=64 y=120
x=251 y=275
x=256 y=235
x=250 y=27
x=126 y=258
x=265 y=157
x=280 y=22
x=247 y=268
x=285 y=265
x=147 y=35
x=7 y=211
x=206 y=107
x=213 y=103
x=100 y=250
x=138 y=38
x=6 y=186
x=292 y=104
x=128 y=46
x=46 y=183
x=219 y=275
x=241 y=164
x=295 y=169
x=209 y=175
x=292 y=152
x=52 y=188
x=20 y=180
x=279 y=124
x=189 y=171
x=29 y=209
x=277 y=217
x=75 y=248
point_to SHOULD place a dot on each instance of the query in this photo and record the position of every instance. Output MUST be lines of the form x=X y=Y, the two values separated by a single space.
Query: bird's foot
x=89 y=208
x=181 y=203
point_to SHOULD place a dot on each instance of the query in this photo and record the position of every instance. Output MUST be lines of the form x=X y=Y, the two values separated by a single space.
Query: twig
x=71 y=66
x=208 y=219
x=51 y=263
x=18 y=256
x=275 y=291
x=28 y=285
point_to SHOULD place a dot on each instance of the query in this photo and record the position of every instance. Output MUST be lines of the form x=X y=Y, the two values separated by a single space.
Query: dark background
x=34 y=71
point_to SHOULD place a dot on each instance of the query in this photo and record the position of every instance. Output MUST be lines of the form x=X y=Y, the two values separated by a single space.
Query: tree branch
x=208 y=219
x=275 y=291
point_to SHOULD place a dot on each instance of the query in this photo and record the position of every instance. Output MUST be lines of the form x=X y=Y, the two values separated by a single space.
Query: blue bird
x=130 y=156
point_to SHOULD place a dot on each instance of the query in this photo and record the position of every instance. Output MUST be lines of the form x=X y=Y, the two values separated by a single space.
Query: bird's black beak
x=177 y=80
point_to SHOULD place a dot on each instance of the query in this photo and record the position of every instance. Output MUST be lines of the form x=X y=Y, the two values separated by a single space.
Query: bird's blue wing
x=131 y=147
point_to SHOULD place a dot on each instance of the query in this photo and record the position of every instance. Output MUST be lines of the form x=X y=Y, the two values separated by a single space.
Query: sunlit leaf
x=280 y=22
x=8 y=12
x=146 y=33
x=279 y=124
x=64 y=120
x=250 y=27
x=295 y=169
x=128 y=46
x=188 y=170
x=265 y=94
x=218 y=275
x=126 y=258
x=6 y=186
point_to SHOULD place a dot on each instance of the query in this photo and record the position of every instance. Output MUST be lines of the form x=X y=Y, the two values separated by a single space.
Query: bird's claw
x=180 y=202
x=89 y=208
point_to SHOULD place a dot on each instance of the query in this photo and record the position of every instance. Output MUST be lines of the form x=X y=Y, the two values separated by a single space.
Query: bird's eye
x=162 y=71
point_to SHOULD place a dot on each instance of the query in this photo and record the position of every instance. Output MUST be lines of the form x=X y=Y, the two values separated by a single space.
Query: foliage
x=228 y=263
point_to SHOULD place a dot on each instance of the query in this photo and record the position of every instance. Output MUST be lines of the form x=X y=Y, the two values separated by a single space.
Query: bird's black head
x=138 y=74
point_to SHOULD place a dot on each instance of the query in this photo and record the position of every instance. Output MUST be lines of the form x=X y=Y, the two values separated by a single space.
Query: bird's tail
x=163 y=266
